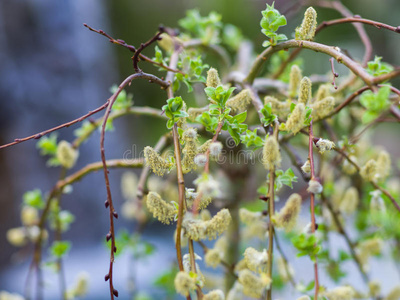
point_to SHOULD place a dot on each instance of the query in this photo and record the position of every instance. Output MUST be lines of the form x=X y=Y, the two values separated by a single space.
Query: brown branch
x=109 y=203
x=335 y=75
x=345 y=235
x=312 y=204
x=329 y=50
x=135 y=57
x=271 y=212
x=132 y=49
x=344 y=11
x=384 y=191
x=358 y=19
x=150 y=77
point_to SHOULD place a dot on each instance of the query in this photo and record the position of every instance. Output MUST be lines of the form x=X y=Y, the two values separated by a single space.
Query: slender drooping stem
x=312 y=204
x=271 y=212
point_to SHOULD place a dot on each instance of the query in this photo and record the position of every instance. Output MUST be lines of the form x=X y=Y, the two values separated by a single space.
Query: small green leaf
x=48 y=144
x=60 y=248
x=34 y=198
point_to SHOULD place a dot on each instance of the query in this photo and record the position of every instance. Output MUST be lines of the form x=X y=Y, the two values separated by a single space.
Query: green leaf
x=376 y=67
x=270 y=23
x=375 y=103
x=234 y=134
x=240 y=118
x=284 y=178
x=34 y=198
x=48 y=144
x=60 y=248
x=251 y=139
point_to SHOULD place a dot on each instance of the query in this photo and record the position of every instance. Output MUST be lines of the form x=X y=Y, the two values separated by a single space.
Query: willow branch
x=271 y=211
x=345 y=235
x=132 y=49
x=150 y=77
x=135 y=110
x=384 y=191
x=317 y=47
x=312 y=204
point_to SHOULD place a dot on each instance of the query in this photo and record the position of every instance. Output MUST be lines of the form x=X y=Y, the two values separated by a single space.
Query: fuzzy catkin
x=66 y=154
x=214 y=295
x=307 y=29
x=253 y=285
x=271 y=154
x=287 y=216
x=154 y=160
x=184 y=283
x=256 y=261
x=239 y=102
x=350 y=201
x=213 y=258
x=323 y=92
x=213 y=78
x=314 y=187
x=325 y=145
x=394 y=294
x=296 y=119
x=189 y=151
x=340 y=293
x=322 y=108
x=279 y=108
x=249 y=217
x=294 y=80
x=369 y=170
x=200 y=230
x=163 y=211
x=305 y=91
x=383 y=164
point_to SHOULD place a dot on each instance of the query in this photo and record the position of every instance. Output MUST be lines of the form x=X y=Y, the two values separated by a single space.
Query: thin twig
x=271 y=212
x=135 y=57
x=132 y=49
x=335 y=75
x=312 y=204
x=149 y=77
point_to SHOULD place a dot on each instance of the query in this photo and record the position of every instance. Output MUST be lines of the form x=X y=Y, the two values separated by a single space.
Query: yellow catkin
x=254 y=285
x=129 y=182
x=287 y=216
x=166 y=42
x=189 y=151
x=214 y=295
x=325 y=145
x=256 y=261
x=200 y=230
x=163 y=211
x=350 y=201
x=340 y=293
x=66 y=154
x=296 y=119
x=369 y=171
x=305 y=92
x=323 y=92
x=213 y=78
x=394 y=294
x=294 y=80
x=184 y=283
x=271 y=154
x=306 y=31
x=154 y=160
x=322 y=108
x=239 y=102
x=279 y=108
x=203 y=148
x=213 y=258
x=383 y=164
x=248 y=217
x=194 y=112
x=374 y=288
x=29 y=216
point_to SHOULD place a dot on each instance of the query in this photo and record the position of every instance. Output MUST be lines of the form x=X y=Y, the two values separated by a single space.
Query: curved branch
x=329 y=50
x=150 y=77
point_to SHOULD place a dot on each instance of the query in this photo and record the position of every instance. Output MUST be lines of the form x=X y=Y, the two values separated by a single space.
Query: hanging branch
x=271 y=212
x=132 y=49
x=312 y=204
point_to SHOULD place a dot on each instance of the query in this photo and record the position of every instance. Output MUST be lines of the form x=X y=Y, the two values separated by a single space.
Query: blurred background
x=54 y=70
